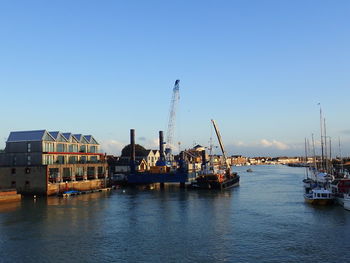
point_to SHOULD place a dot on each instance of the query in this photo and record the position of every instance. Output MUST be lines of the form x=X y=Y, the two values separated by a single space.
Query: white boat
x=347 y=202
x=340 y=187
x=308 y=184
x=319 y=197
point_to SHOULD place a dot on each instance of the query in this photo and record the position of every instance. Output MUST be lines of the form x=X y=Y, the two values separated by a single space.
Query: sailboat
x=211 y=177
x=318 y=181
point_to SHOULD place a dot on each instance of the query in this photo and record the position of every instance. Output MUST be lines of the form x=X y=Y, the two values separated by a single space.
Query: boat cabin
x=321 y=194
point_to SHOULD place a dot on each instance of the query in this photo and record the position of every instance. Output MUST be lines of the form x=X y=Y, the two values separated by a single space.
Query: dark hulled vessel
x=212 y=178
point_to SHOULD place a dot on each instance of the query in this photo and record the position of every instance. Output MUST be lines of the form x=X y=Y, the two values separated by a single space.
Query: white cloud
x=274 y=144
x=264 y=143
x=112 y=147
x=115 y=147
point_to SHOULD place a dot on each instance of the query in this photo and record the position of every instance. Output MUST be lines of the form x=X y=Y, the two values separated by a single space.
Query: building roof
x=78 y=137
x=44 y=135
x=148 y=152
x=67 y=135
x=198 y=147
x=29 y=136
x=90 y=139
x=58 y=136
x=54 y=134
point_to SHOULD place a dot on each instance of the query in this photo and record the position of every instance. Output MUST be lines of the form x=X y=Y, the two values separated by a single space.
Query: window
x=13 y=184
x=72 y=159
x=54 y=175
x=91 y=172
x=14 y=160
x=60 y=147
x=79 y=171
x=53 y=172
x=66 y=174
x=29 y=147
x=47 y=159
x=82 y=148
x=13 y=171
x=29 y=160
x=75 y=148
x=60 y=159
x=27 y=170
x=93 y=149
x=93 y=159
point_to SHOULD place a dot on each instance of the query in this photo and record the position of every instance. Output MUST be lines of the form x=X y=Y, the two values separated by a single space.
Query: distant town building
x=238 y=160
x=46 y=163
x=144 y=160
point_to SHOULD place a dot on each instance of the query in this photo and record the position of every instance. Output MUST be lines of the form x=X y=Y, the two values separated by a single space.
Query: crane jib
x=220 y=142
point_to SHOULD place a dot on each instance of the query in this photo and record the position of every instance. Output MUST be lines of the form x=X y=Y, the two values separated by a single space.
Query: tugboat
x=212 y=178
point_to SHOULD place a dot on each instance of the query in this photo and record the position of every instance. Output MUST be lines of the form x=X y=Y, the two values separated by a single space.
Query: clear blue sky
x=102 y=67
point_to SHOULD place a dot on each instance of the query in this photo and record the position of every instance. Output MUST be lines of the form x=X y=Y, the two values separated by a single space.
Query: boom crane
x=172 y=115
x=221 y=144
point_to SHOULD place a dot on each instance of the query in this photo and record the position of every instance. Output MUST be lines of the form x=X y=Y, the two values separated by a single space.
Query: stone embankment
x=9 y=195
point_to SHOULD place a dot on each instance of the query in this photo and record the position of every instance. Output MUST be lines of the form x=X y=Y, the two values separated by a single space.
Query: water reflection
x=264 y=220
x=10 y=206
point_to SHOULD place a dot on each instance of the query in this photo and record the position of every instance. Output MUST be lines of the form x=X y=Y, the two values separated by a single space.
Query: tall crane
x=221 y=144
x=172 y=115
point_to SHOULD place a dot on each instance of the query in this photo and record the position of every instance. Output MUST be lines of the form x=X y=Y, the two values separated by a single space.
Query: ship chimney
x=132 y=152
x=204 y=160
x=161 y=146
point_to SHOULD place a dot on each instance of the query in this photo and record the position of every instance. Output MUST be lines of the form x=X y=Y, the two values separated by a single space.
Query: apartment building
x=43 y=162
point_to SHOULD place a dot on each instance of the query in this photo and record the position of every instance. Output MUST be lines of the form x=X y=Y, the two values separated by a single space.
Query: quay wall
x=57 y=188
x=9 y=196
x=26 y=180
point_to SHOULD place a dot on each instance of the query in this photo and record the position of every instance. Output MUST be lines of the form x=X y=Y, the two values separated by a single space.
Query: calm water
x=264 y=220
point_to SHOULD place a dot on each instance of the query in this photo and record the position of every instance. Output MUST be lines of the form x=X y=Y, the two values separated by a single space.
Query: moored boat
x=340 y=187
x=211 y=178
x=319 y=197
x=216 y=181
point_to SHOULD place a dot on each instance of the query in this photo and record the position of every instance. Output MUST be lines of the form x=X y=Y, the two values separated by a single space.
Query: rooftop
x=44 y=135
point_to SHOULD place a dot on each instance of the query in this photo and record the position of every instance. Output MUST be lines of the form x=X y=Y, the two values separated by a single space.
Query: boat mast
x=306 y=168
x=313 y=149
x=325 y=145
x=221 y=144
x=341 y=159
x=330 y=152
x=322 y=156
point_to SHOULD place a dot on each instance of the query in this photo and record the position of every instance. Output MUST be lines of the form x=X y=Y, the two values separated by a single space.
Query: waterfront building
x=46 y=163
x=287 y=160
x=238 y=160
x=152 y=156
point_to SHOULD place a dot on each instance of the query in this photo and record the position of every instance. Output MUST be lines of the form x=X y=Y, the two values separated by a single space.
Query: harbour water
x=263 y=220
